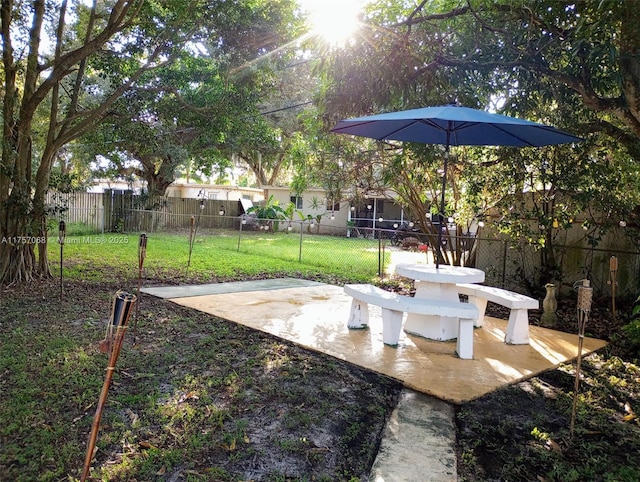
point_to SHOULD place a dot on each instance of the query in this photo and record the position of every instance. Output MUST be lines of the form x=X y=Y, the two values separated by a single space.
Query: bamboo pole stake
x=62 y=232
x=120 y=313
x=585 y=295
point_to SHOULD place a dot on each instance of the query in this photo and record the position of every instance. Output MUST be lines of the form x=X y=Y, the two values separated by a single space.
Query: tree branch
x=412 y=19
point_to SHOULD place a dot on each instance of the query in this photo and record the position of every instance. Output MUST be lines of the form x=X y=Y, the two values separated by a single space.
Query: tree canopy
x=574 y=65
x=68 y=66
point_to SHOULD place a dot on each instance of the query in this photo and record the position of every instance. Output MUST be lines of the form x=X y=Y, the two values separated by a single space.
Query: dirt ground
x=522 y=432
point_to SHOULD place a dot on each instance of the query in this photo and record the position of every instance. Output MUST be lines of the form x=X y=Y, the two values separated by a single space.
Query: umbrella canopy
x=452 y=125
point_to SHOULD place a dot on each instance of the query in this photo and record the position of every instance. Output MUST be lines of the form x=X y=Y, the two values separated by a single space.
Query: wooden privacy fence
x=516 y=267
x=122 y=211
x=176 y=213
x=77 y=208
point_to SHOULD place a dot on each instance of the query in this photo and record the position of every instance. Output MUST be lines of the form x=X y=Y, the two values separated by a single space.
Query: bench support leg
x=391 y=326
x=359 y=315
x=481 y=304
x=517 y=328
x=464 y=345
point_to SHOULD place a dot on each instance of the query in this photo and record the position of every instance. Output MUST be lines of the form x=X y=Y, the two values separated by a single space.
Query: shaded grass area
x=196 y=398
x=522 y=432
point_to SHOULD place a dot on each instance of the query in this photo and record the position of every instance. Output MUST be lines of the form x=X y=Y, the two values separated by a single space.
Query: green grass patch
x=224 y=255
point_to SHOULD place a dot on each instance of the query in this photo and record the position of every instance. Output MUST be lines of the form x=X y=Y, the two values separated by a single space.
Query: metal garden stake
x=585 y=295
x=142 y=254
x=613 y=281
x=62 y=232
x=242 y=222
x=120 y=313
x=192 y=236
x=194 y=229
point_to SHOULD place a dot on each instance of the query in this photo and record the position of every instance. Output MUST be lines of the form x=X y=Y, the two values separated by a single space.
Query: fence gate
x=117 y=205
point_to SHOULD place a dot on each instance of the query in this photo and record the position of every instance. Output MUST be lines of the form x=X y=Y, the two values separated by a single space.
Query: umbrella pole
x=444 y=185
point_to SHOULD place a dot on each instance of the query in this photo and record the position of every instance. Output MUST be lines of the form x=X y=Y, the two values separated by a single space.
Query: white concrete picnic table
x=436 y=283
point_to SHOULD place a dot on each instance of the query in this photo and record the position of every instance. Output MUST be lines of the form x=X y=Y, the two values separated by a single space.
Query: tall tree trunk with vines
x=23 y=216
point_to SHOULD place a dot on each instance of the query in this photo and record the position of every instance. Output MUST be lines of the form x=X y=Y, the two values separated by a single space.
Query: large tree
x=70 y=63
x=575 y=65
x=191 y=115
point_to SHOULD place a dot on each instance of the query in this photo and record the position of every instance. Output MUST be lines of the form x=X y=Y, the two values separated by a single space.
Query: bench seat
x=394 y=306
x=519 y=304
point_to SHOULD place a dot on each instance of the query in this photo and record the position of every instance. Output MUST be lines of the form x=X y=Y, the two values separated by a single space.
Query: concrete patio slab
x=419 y=440
x=314 y=315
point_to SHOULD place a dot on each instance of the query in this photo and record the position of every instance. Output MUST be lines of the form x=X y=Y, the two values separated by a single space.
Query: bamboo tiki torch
x=585 y=295
x=142 y=254
x=120 y=313
x=62 y=232
x=613 y=281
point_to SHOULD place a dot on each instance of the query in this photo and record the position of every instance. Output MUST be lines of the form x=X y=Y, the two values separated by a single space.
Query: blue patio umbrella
x=452 y=125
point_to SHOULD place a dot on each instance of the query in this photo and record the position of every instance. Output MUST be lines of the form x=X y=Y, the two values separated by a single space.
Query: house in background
x=215 y=192
x=185 y=190
x=375 y=212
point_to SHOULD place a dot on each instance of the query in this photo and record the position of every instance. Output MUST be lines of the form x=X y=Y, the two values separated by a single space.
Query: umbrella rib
x=514 y=136
x=338 y=130
x=421 y=121
x=465 y=125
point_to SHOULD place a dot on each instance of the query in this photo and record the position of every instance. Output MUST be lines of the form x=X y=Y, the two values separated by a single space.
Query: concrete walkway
x=419 y=441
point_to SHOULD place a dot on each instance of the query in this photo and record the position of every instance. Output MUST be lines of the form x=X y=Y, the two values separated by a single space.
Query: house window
x=297 y=201
x=333 y=207
x=379 y=206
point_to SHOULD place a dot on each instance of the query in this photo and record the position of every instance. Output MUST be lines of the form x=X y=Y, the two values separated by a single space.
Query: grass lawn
x=201 y=399
x=220 y=256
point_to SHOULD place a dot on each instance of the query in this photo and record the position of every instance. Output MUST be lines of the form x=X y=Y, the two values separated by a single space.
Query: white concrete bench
x=394 y=306
x=518 y=324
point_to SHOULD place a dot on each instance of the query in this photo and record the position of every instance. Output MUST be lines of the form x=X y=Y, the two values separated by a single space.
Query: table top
x=441 y=274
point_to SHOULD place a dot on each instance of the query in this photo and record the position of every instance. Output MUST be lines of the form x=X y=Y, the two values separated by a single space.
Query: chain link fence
x=368 y=251
x=516 y=267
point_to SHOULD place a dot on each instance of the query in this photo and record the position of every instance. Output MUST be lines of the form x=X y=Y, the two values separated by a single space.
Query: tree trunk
x=17 y=241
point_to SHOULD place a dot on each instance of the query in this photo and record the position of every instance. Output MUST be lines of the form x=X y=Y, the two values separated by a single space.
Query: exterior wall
x=314 y=203
x=99 y=186
x=213 y=192
x=187 y=191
